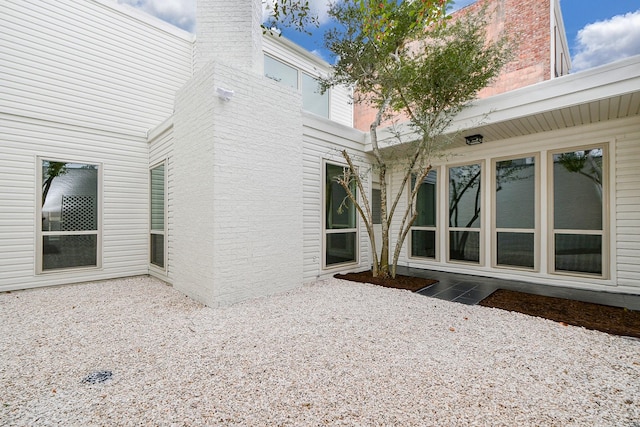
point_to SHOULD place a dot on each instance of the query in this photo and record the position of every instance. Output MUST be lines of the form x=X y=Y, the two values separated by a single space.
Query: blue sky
x=598 y=31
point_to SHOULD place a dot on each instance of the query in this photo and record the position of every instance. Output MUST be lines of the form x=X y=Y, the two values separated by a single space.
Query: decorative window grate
x=79 y=213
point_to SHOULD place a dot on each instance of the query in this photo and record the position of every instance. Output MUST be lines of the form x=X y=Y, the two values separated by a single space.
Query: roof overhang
x=600 y=94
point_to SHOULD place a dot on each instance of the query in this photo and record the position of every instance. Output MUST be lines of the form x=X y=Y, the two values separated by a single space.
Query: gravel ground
x=331 y=353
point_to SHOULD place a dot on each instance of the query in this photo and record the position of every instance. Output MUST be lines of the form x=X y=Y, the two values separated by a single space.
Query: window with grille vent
x=68 y=225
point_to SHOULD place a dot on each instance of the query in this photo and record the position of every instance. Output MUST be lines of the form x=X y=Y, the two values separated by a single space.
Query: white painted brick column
x=228 y=32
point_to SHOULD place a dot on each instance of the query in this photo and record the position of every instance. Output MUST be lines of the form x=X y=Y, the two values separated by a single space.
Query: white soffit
x=600 y=94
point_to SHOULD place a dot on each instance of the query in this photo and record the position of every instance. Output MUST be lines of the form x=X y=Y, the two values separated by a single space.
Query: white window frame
x=326 y=232
x=299 y=80
x=604 y=233
x=483 y=212
x=162 y=232
x=40 y=233
x=494 y=214
x=435 y=229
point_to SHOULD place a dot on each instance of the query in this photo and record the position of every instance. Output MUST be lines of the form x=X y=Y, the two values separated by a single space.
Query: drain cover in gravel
x=97 y=377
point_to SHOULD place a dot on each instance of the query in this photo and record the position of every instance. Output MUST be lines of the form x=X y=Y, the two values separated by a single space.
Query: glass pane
x=157 y=198
x=423 y=243
x=157 y=250
x=464 y=196
x=69 y=196
x=280 y=72
x=69 y=251
x=516 y=249
x=313 y=100
x=464 y=246
x=578 y=252
x=341 y=248
x=376 y=213
x=340 y=210
x=426 y=201
x=577 y=190
x=516 y=193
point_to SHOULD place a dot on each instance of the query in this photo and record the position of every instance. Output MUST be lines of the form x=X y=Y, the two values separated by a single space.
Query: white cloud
x=181 y=13
x=319 y=8
x=607 y=41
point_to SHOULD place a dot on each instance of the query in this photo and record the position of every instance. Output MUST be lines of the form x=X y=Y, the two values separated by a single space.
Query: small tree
x=53 y=170
x=408 y=60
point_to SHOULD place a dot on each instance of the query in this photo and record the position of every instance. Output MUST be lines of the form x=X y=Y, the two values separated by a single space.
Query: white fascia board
x=619 y=78
x=299 y=50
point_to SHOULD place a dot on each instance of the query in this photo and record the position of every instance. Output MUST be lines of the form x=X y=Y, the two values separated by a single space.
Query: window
x=515 y=213
x=280 y=72
x=579 y=196
x=376 y=208
x=313 y=100
x=340 y=220
x=423 y=231
x=157 y=213
x=69 y=221
x=465 y=213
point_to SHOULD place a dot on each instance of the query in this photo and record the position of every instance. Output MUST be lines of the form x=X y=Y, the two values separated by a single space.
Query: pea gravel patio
x=137 y=352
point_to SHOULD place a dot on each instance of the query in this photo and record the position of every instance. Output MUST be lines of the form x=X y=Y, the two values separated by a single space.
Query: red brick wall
x=528 y=22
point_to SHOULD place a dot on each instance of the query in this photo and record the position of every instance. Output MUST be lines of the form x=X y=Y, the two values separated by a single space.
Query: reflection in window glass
x=577 y=189
x=516 y=193
x=578 y=253
x=341 y=248
x=578 y=195
x=376 y=209
x=280 y=72
x=340 y=210
x=340 y=220
x=464 y=213
x=423 y=231
x=313 y=100
x=426 y=200
x=69 y=224
x=156 y=249
x=515 y=188
x=464 y=246
x=157 y=198
x=464 y=196
x=516 y=249
x=423 y=243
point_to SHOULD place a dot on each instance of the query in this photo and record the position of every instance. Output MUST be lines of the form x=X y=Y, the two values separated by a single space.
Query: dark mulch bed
x=412 y=284
x=613 y=320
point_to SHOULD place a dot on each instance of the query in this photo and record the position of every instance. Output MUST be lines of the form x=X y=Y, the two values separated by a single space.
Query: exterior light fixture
x=473 y=139
x=224 y=94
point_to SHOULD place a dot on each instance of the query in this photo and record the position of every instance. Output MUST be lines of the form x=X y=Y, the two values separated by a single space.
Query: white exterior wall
x=87 y=63
x=229 y=32
x=623 y=139
x=627 y=200
x=82 y=81
x=237 y=165
x=323 y=141
x=123 y=160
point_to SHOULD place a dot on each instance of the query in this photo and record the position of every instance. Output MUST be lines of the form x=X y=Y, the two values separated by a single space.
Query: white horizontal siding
x=161 y=149
x=628 y=209
x=341 y=109
x=124 y=162
x=87 y=63
x=323 y=140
